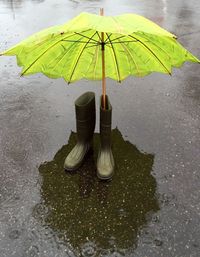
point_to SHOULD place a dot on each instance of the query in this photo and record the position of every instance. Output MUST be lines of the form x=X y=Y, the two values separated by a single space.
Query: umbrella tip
x=101 y=11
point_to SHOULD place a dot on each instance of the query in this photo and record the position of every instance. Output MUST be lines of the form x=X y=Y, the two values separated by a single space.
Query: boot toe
x=75 y=157
x=70 y=163
x=105 y=166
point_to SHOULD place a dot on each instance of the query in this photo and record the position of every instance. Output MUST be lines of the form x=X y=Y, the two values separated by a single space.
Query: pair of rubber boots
x=85 y=124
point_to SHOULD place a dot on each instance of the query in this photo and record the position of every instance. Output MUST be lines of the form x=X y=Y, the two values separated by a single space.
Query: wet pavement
x=151 y=208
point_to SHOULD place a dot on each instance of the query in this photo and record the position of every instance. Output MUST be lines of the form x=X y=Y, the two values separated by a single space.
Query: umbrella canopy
x=133 y=46
x=95 y=47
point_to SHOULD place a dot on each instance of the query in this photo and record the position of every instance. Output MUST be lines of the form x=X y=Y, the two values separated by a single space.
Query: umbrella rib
x=62 y=57
x=94 y=60
x=115 y=38
x=129 y=53
x=131 y=41
x=157 y=46
x=75 y=65
x=116 y=62
x=78 y=41
x=44 y=42
x=43 y=54
x=86 y=37
x=99 y=36
x=60 y=39
x=92 y=46
x=48 y=50
x=158 y=59
x=39 y=58
x=107 y=39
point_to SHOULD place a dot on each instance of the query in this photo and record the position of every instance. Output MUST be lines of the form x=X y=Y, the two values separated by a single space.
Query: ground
x=158 y=128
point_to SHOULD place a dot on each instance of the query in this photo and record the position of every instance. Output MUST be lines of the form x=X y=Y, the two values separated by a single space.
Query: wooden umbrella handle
x=103 y=65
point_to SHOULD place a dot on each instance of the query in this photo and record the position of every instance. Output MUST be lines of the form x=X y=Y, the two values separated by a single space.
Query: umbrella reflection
x=104 y=215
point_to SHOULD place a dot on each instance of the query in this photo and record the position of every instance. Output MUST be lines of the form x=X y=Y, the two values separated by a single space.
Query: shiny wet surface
x=89 y=213
x=152 y=205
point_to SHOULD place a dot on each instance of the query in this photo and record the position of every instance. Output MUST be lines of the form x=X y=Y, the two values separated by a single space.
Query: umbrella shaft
x=103 y=78
x=103 y=65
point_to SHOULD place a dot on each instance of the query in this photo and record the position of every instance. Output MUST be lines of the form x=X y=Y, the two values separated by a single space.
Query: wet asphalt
x=151 y=208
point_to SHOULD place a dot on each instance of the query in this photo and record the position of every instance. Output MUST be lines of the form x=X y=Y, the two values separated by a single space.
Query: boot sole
x=105 y=178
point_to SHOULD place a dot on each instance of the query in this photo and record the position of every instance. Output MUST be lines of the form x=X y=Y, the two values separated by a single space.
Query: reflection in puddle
x=98 y=217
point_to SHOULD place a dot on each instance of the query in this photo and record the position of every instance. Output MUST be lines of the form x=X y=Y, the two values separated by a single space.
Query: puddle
x=93 y=215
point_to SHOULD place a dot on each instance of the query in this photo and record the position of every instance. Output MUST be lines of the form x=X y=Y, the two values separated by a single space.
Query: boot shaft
x=105 y=123
x=105 y=160
x=85 y=116
x=85 y=106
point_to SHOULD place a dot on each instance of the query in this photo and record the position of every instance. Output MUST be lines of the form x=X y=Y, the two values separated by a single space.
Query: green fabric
x=133 y=46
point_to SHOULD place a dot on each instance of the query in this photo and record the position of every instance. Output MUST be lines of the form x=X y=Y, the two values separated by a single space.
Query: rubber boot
x=105 y=160
x=85 y=124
